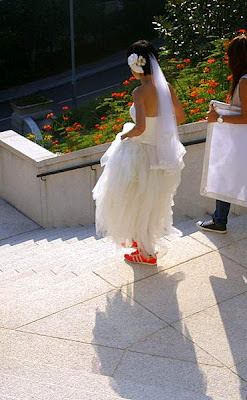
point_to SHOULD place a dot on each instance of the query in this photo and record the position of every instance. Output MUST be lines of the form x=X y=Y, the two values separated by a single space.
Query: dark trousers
x=221 y=212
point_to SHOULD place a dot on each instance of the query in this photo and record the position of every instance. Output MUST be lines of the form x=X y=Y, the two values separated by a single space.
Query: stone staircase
x=46 y=274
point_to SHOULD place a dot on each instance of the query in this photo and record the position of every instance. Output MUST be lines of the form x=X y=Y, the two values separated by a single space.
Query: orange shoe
x=137 y=258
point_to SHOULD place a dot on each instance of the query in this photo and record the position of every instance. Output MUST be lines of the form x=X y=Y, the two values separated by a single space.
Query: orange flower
x=180 y=66
x=187 y=61
x=65 y=108
x=173 y=59
x=132 y=79
x=211 y=61
x=100 y=136
x=211 y=91
x=241 y=31
x=195 y=111
x=68 y=151
x=212 y=83
x=207 y=69
x=47 y=128
x=65 y=118
x=193 y=94
x=230 y=77
x=199 y=101
x=186 y=105
x=130 y=103
x=126 y=83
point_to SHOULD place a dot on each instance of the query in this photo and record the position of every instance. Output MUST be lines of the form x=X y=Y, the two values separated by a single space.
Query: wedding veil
x=170 y=150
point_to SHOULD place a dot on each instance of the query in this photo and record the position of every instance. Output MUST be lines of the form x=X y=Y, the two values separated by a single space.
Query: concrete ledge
x=65 y=199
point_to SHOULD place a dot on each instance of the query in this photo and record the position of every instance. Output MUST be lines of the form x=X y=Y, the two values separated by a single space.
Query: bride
x=142 y=167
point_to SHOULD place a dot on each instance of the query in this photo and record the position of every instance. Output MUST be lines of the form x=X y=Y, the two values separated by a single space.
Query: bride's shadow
x=127 y=323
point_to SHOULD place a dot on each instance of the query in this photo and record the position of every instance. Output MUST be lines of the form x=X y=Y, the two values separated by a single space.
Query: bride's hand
x=212 y=115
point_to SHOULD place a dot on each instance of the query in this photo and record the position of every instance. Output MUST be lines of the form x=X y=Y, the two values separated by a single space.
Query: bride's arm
x=140 y=125
x=178 y=108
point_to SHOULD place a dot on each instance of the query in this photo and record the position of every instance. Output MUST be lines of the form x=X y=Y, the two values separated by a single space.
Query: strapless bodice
x=149 y=135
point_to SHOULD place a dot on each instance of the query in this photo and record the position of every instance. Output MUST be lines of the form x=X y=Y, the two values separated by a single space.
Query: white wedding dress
x=134 y=201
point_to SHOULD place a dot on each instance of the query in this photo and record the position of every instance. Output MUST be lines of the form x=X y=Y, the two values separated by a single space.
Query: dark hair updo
x=143 y=48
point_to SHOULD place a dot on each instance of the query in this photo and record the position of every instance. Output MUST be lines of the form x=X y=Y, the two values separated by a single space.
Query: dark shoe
x=211 y=226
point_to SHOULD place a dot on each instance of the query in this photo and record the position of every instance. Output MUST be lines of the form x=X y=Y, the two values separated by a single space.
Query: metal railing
x=93 y=163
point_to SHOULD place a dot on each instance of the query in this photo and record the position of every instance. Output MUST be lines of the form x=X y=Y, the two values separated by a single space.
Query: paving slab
x=169 y=343
x=237 y=252
x=220 y=330
x=110 y=320
x=12 y=222
x=21 y=304
x=91 y=383
x=206 y=380
x=120 y=273
x=27 y=389
x=58 y=352
x=190 y=287
x=241 y=370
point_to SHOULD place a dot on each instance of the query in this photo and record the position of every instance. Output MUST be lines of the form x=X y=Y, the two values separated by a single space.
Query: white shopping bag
x=224 y=174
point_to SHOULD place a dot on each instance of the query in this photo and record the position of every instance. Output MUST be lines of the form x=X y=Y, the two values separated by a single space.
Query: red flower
x=103 y=118
x=211 y=61
x=130 y=103
x=180 y=66
x=65 y=108
x=132 y=79
x=126 y=83
x=185 y=105
x=199 y=101
x=213 y=83
x=65 y=118
x=195 y=111
x=230 y=77
x=187 y=61
x=173 y=59
x=193 y=94
x=211 y=91
x=242 y=31
x=49 y=115
x=207 y=69
x=47 y=128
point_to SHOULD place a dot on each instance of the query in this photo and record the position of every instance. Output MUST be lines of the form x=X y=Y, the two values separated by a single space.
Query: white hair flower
x=136 y=63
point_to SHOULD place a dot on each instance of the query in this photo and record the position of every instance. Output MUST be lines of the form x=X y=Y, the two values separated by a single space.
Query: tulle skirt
x=134 y=202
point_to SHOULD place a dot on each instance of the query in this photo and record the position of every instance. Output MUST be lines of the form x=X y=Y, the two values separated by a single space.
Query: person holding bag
x=225 y=164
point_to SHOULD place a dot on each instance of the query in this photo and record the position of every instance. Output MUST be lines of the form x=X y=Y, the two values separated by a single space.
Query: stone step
x=88 y=385
x=41 y=236
x=72 y=258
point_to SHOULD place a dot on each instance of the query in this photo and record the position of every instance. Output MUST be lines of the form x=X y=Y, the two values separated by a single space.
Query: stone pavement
x=76 y=322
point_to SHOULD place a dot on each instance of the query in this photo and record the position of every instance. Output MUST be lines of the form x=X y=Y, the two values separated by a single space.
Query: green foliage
x=189 y=26
x=99 y=121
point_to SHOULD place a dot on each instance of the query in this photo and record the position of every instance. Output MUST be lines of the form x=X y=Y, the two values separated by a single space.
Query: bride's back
x=150 y=100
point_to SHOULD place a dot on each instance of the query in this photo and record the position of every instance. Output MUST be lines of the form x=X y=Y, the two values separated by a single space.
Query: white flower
x=136 y=63
x=133 y=58
x=141 y=61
